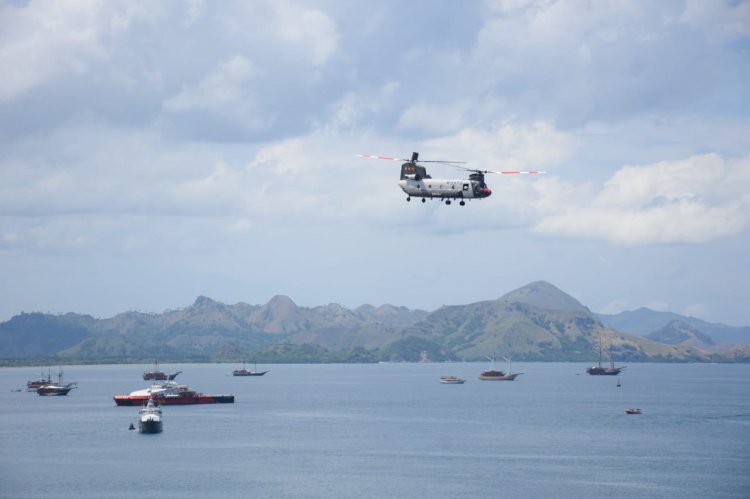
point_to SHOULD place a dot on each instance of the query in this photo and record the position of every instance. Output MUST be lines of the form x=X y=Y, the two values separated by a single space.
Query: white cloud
x=579 y=61
x=697 y=310
x=195 y=9
x=225 y=87
x=225 y=133
x=659 y=306
x=434 y=119
x=310 y=29
x=615 y=307
x=45 y=39
x=507 y=146
x=720 y=19
x=696 y=200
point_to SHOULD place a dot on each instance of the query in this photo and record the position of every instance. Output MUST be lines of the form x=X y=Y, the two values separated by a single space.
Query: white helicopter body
x=415 y=181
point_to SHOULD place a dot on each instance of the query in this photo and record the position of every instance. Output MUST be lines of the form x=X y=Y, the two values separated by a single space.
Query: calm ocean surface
x=386 y=430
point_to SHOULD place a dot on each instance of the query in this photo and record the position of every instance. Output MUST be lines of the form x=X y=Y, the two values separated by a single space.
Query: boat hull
x=248 y=373
x=46 y=392
x=604 y=371
x=131 y=400
x=504 y=377
x=150 y=426
x=452 y=380
x=55 y=390
x=160 y=376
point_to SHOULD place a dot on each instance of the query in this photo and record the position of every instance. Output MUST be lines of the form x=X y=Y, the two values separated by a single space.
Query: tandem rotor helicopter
x=416 y=182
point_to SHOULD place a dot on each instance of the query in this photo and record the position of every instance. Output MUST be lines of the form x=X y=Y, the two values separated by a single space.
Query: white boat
x=149 y=418
x=160 y=389
x=452 y=380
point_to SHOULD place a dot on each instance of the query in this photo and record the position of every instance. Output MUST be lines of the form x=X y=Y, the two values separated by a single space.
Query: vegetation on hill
x=535 y=322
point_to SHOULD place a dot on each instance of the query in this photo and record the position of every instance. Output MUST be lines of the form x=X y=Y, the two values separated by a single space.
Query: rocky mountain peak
x=279 y=302
x=542 y=294
x=680 y=332
x=203 y=301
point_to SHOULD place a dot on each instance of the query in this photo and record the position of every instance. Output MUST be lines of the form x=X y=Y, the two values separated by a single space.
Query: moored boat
x=245 y=372
x=493 y=375
x=605 y=371
x=150 y=417
x=452 y=380
x=35 y=384
x=158 y=375
x=170 y=393
x=633 y=410
x=56 y=389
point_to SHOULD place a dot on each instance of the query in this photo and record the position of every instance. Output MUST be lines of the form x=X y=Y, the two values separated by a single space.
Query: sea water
x=385 y=430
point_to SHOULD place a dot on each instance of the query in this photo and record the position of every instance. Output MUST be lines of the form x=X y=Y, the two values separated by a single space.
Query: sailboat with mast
x=35 y=384
x=245 y=372
x=605 y=371
x=492 y=375
x=56 y=389
x=158 y=375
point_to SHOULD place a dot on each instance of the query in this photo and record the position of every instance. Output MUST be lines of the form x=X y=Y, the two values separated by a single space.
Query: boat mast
x=492 y=362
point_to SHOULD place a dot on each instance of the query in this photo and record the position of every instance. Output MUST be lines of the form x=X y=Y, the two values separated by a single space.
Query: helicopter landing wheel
x=408 y=199
x=424 y=200
x=462 y=203
x=448 y=201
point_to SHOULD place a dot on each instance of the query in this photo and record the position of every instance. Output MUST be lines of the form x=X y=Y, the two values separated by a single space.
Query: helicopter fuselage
x=416 y=182
x=444 y=188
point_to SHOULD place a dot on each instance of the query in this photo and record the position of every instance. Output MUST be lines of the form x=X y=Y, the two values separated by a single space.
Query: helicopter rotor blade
x=455 y=164
x=442 y=161
x=389 y=158
x=529 y=172
x=504 y=172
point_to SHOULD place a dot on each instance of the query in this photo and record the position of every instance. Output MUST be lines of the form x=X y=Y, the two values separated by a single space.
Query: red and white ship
x=170 y=393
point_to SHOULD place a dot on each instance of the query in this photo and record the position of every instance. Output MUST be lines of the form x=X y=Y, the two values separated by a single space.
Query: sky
x=154 y=152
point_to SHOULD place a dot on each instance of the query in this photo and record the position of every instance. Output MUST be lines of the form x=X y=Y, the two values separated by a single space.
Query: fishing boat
x=452 y=380
x=605 y=371
x=56 y=389
x=170 y=393
x=633 y=410
x=33 y=385
x=158 y=375
x=245 y=372
x=493 y=375
x=150 y=417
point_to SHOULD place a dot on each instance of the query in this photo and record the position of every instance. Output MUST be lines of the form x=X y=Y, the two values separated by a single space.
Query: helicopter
x=417 y=183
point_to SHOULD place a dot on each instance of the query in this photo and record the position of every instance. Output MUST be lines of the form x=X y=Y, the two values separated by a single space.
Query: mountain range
x=535 y=322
